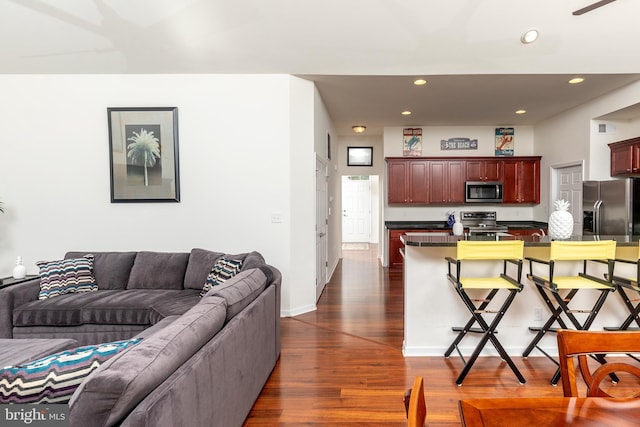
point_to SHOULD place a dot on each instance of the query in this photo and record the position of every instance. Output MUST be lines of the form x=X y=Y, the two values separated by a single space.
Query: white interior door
x=568 y=186
x=322 y=221
x=356 y=210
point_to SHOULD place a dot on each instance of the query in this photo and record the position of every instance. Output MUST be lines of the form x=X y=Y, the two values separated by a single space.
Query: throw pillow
x=223 y=269
x=53 y=379
x=66 y=276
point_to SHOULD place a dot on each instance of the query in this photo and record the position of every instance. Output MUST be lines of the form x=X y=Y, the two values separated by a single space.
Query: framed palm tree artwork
x=143 y=154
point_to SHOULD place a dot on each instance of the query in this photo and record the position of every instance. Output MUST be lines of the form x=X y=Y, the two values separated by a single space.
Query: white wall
x=323 y=128
x=573 y=136
x=245 y=147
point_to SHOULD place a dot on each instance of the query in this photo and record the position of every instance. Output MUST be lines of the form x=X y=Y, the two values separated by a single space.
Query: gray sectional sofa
x=203 y=360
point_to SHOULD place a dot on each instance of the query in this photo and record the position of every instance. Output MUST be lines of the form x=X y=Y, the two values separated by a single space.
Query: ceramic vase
x=19 y=271
x=560 y=221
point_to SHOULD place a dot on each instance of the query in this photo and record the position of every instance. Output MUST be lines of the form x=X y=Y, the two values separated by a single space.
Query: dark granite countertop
x=425 y=240
x=437 y=225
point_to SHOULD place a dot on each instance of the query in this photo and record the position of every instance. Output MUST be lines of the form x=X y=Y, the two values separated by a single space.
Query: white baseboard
x=297 y=311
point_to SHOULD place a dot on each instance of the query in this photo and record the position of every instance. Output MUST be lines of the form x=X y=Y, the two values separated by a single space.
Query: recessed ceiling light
x=521 y=111
x=529 y=36
x=576 y=80
x=359 y=128
x=406 y=113
x=420 y=82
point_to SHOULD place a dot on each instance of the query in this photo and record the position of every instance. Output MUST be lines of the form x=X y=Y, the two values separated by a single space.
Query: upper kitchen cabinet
x=625 y=157
x=446 y=178
x=484 y=170
x=407 y=181
x=521 y=182
x=441 y=180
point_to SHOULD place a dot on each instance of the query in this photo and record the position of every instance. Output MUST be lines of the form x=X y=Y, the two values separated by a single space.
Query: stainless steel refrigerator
x=611 y=207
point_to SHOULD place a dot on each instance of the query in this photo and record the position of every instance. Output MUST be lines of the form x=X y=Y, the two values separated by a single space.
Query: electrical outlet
x=537 y=314
x=276 y=217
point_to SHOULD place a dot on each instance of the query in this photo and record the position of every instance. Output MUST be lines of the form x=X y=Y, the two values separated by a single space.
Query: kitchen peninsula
x=432 y=306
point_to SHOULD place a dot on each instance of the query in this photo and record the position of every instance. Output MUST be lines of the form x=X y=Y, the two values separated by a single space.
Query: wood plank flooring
x=343 y=363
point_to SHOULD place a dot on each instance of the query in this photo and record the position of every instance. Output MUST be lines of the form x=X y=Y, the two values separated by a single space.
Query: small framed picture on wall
x=359 y=156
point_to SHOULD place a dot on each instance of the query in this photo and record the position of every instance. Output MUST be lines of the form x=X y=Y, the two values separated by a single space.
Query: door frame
x=322 y=259
x=553 y=184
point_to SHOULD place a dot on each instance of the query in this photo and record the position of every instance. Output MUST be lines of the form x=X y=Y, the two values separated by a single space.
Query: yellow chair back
x=490 y=249
x=573 y=250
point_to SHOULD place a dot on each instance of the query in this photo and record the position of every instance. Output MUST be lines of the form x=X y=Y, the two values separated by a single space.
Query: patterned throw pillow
x=223 y=269
x=66 y=276
x=53 y=379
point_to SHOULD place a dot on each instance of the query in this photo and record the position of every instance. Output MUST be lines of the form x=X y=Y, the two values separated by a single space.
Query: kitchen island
x=432 y=306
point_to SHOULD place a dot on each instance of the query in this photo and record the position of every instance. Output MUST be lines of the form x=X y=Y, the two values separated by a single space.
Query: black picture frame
x=143 y=154
x=359 y=156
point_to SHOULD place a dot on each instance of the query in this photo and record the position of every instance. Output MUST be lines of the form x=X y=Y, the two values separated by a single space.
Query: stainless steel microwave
x=483 y=192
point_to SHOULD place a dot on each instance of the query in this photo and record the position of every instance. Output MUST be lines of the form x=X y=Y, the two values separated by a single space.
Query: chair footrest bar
x=538 y=329
x=474 y=330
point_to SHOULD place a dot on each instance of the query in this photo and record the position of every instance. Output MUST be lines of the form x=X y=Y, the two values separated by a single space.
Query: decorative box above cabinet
x=625 y=157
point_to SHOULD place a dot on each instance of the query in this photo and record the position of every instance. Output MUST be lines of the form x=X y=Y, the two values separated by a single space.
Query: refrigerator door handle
x=596 y=217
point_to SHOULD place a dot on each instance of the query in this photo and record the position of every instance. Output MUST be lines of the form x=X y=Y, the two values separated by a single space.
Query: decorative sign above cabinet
x=504 y=141
x=459 y=144
x=412 y=142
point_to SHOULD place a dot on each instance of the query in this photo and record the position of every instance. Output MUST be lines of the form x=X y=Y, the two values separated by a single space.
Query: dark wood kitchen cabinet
x=396 y=261
x=521 y=182
x=625 y=157
x=407 y=181
x=441 y=180
x=446 y=179
x=484 y=170
x=395 y=244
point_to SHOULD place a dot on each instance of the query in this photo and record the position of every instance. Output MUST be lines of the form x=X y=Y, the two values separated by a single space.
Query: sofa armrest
x=14 y=296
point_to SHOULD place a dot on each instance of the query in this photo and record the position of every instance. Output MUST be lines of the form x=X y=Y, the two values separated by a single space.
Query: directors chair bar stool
x=557 y=291
x=625 y=284
x=508 y=253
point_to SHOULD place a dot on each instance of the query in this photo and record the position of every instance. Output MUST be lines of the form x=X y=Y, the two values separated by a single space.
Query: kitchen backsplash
x=440 y=213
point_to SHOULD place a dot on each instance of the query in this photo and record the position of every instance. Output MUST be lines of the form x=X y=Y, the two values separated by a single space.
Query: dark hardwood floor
x=343 y=362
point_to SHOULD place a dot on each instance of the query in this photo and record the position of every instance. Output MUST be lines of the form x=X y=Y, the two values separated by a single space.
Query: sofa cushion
x=199 y=267
x=158 y=270
x=249 y=260
x=111 y=269
x=223 y=270
x=130 y=307
x=65 y=310
x=176 y=305
x=156 y=327
x=240 y=290
x=66 y=276
x=54 y=378
x=108 y=395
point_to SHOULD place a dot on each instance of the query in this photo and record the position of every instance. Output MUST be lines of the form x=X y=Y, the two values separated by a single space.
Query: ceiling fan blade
x=592 y=6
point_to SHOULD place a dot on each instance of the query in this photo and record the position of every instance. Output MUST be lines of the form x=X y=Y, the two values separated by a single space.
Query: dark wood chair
x=582 y=344
x=414 y=404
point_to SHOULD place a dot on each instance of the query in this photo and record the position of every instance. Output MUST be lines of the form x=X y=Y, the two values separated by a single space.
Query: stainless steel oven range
x=483 y=223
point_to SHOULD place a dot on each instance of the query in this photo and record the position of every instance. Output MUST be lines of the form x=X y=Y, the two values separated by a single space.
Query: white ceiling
x=363 y=54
